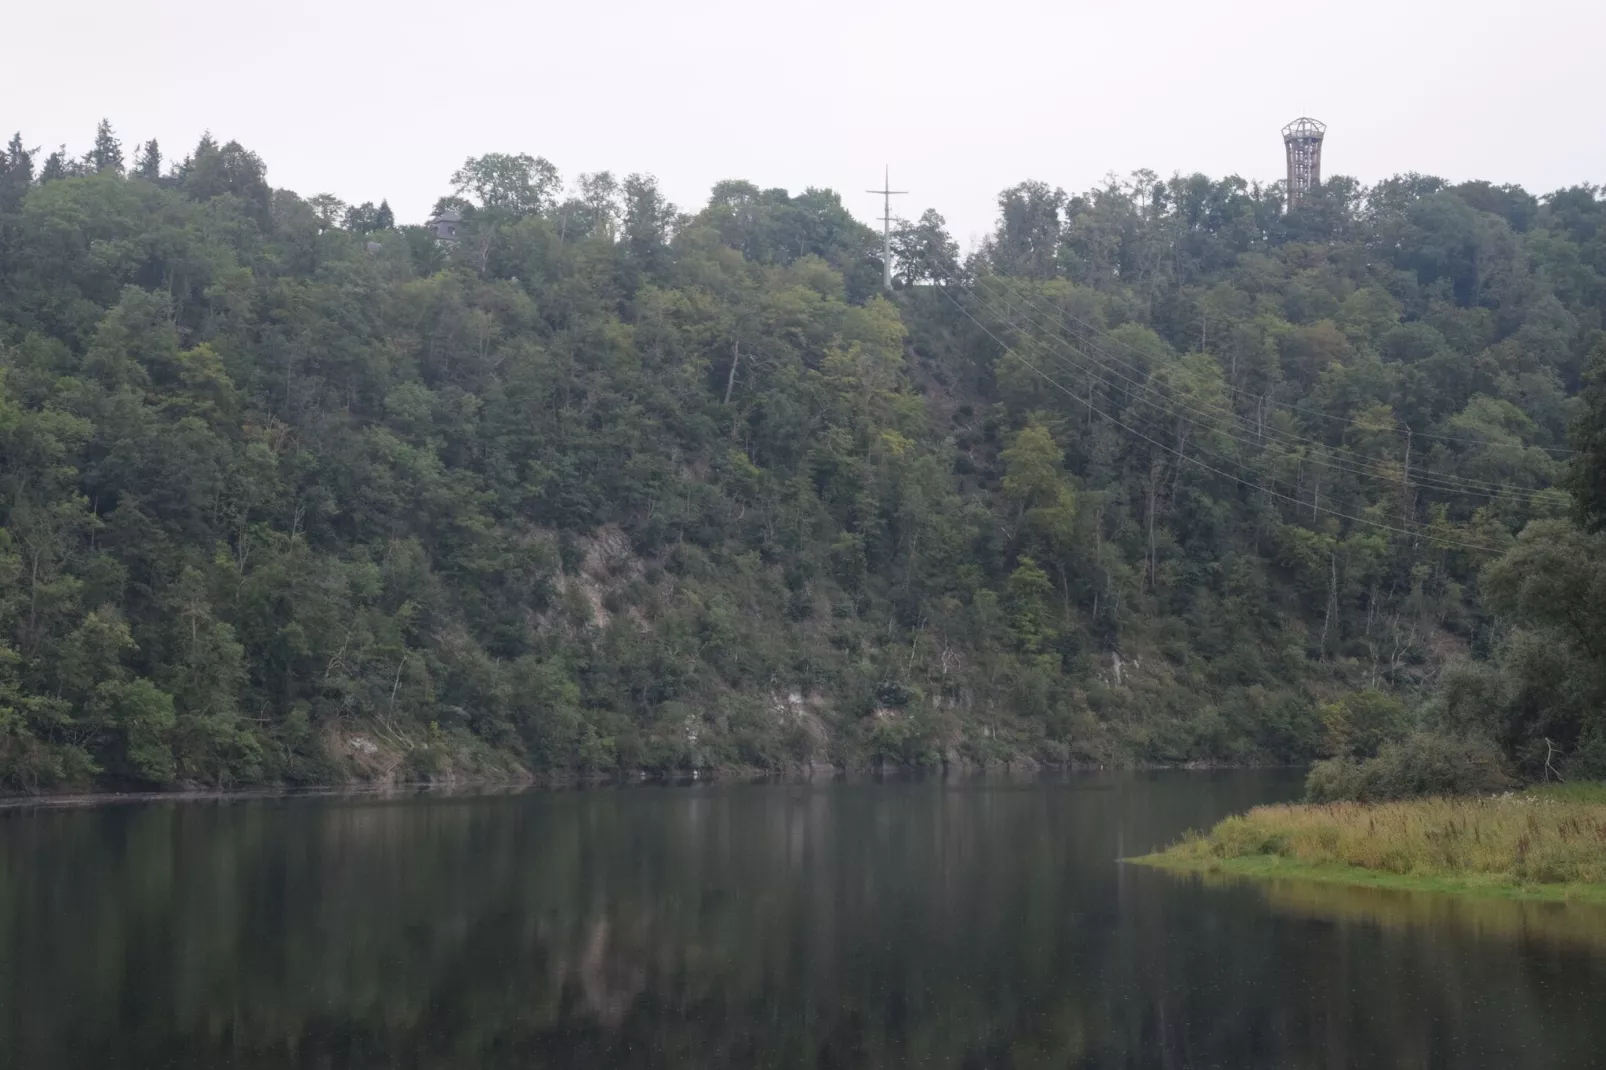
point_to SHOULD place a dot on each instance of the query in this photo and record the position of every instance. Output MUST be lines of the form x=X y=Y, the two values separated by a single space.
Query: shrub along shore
x=1544 y=843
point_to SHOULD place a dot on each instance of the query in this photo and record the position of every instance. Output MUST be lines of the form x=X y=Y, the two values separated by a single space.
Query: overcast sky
x=368 y=100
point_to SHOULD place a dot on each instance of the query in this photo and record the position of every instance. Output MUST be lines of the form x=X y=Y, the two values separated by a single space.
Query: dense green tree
x=329 y=210
x=214 y=171
x=649 y=220
x=1588 y=475
x=924 y=251
x=361 y=218
x=288 y=494
x=513 y=185
x=1028 y=230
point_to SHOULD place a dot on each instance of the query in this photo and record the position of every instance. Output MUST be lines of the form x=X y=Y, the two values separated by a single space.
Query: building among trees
x=444 y=224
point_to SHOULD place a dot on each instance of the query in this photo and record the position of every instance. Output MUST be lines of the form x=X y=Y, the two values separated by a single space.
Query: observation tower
x=1303 y=139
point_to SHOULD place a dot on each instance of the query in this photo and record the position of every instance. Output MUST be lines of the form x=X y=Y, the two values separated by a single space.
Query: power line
x=1337 y=458
x=1290 y=406
x=1160 y=409
x=1183 y=455
x=1314 y=504
x=1096 y=329
x=1322 y=455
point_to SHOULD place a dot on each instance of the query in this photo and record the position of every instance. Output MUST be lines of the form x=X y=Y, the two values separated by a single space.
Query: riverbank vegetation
x=1166 y=472
x=1544 y=843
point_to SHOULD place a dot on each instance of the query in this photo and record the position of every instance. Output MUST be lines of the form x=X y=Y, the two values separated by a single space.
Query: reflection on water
x=1582 y=925
x=913 y=924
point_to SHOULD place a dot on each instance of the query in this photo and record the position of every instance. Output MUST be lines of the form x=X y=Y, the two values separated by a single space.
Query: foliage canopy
x=291 y=493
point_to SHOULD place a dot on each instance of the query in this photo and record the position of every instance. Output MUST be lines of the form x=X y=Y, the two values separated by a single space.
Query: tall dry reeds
x=1555 y=836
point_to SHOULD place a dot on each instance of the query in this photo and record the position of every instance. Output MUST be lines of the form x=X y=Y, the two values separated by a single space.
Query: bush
x=1360 y=724
x=1334 y=780
x=1422 y=764
x=1588 y=758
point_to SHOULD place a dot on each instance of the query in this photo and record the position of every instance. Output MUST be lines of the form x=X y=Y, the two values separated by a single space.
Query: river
x=971 y=924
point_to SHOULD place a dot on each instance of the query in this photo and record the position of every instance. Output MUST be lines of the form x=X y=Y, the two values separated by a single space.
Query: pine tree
x=107 y=155
x=385 y=219
x=55 y=166
x=148 y=161
x=16 y=172
x=195 y=172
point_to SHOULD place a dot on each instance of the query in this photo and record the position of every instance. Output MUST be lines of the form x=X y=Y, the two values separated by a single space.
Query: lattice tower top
x=1304 y=127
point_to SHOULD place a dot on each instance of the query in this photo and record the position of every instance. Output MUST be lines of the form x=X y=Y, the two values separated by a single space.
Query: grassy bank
x=1546 y=843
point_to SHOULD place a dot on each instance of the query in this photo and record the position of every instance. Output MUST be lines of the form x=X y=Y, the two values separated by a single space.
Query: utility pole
x=887 y=192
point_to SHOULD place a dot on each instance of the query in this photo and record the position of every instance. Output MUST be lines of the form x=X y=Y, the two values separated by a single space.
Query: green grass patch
x=1281 y=867
x=1545 y=844
x=1585 y=791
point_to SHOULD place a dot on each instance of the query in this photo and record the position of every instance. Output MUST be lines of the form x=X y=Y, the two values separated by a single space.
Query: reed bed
x=1553 y=837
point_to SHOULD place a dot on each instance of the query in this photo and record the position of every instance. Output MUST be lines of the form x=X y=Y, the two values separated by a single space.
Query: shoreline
x=552 y=782
x=1255 y=868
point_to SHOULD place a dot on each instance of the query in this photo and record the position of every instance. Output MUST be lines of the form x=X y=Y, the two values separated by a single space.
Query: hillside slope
x=290 y=494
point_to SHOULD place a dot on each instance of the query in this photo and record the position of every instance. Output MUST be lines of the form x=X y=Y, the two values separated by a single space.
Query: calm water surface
x=977 y=924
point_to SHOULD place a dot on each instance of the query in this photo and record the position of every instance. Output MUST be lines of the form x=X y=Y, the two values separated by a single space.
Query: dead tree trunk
x=730 y=380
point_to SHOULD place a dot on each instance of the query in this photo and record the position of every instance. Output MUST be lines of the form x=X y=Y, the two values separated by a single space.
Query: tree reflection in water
x=906 y=924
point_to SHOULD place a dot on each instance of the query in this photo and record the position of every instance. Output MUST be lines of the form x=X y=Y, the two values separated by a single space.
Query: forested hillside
x=1164 y=473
